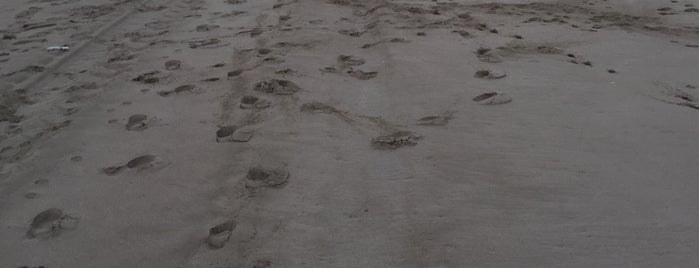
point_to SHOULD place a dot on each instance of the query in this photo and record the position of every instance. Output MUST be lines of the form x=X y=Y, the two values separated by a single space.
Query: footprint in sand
x=277 y=87
x=488 y=55
x=141 y=163
x=318 y=107
x=172 y=65
x=177 y=90
x=252 y=102
x=258 y=177
x=137 y=122
x=395 y=140
x=492 y=98
x=361 y=75
x=435 y=120
x=206 y=27
x=49 y=223
x=220 y=234
x=261 y=263
x=349 y=60
x=235 y=73
x=148 y=78
x=208 y=43
x=233 y=134
x=463 y=33
x=489 y=74
x=352 y=33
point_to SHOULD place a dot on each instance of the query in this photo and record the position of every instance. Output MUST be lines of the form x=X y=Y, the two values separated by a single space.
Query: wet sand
x=340 y=133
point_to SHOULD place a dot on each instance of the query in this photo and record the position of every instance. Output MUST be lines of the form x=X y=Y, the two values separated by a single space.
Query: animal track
x=395 y=140
x=49 y=223
x=492 y=98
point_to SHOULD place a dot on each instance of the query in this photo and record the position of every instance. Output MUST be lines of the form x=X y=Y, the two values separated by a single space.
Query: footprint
x=220 y=234
x=148 y=78
x=258 y=177
x=172 y=65
x=206 y=28
x=264 y=51
x=488 y=55
x=435 y=120
x=492 y=98
x=352 y=33
x=177 y=90
x=261 y=263
x=489 y=74
x=350 y=60
x=318 y=107
x=49 y=223
x=463 y=33
x=273 y=60
x=235 y=73
x=137 y=122
x=361 y=75
x=233 y=134
x=277 y=87
x=252 y=102
x=395 y=140
x=208 y=43
x=141 y=163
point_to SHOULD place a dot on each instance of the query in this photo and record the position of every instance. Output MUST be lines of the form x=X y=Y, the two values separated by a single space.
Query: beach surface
x=349 y=133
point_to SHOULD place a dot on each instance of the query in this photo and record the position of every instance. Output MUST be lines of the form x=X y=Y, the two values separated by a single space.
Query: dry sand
x=349 y=133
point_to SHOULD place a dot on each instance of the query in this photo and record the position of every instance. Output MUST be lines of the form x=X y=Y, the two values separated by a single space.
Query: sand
x=349 y=133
